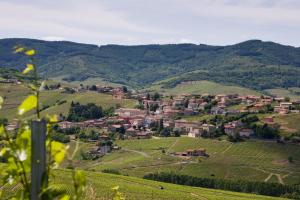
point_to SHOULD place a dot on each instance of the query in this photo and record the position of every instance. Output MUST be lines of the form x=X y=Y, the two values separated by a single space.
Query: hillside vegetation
x=253 y=64
x=99 y=188
x=201 y=87
x=55 y=101
x=250 y=160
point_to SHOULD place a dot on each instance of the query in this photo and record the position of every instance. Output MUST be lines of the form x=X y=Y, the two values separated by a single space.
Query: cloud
x=152 y=21
x=53 y=38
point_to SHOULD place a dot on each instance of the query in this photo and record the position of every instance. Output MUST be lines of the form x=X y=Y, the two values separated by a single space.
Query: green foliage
x=60 y=137
x=255 y=64
x=84 y=112
x=17 y=147
x=88 y=134
x=111 y=171
x=265 y=131
x=270 y=189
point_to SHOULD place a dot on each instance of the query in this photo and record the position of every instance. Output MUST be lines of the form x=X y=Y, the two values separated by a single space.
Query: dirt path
x=279 y=178
x=200 y=197
x=139 y=152
x=268 y=178
x=176 y=141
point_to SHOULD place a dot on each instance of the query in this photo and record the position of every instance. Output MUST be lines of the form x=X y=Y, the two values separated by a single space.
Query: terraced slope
x=251 y=160
x=99 y=188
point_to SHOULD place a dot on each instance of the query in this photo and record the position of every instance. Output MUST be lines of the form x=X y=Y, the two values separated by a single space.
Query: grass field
x=252 y=160
x=99 y=188
x=201 y=87
x=280 y=92
x=15 y=94
x=288 y=123
x=197 y=118
x=89 y=81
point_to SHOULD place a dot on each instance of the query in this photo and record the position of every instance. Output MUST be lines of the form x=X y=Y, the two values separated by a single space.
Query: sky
x=132 y=22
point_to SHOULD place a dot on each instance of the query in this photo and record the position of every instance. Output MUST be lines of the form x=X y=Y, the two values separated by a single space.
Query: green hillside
x=201 y=87
x=252 y=64
x=254 y=160
x=99 y=188
x=293 y=93
x=14 y=94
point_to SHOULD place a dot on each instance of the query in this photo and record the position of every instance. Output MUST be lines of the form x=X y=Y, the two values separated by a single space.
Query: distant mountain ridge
x=254 y=64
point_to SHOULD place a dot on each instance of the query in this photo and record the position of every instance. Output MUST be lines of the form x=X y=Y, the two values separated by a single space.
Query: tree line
x=262 y=188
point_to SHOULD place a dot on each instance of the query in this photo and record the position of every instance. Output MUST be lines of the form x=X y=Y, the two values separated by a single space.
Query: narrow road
x=268 y=178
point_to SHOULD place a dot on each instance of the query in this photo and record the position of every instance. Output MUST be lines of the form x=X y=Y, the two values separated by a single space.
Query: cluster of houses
x=136 y=123
x=117 y=93
x=237 y=128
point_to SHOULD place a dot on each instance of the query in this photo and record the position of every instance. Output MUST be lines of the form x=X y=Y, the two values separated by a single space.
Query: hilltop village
x=231 y=117
x=202 y=115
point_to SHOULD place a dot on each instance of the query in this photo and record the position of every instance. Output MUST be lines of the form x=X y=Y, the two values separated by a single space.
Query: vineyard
x=99 y=188
x=251 y=160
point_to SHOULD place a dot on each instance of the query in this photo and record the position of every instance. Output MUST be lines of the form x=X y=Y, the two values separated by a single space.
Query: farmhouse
x=185 y=125
x=246 y=132
x=150 y=103
x=232 y=128
x=129 y=112
x=195 y=132
x=193 y=152
x=209 y=128
x=283 y=108
x=118 y=93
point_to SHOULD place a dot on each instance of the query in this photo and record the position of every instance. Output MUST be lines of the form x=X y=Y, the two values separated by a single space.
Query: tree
x=93 y=88
x=153 y=107
x=287 y=99
x=148 y=96
x=156 y=96
x=124 y=88
x=160 y=126
x=291 y=159
x=122 y=131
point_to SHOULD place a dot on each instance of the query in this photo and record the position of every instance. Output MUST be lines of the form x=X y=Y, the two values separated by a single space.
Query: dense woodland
x=255 y=64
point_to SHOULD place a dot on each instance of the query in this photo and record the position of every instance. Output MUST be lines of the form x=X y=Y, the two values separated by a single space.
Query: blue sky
x=130 y=22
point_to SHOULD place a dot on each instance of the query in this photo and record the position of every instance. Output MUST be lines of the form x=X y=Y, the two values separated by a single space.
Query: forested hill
x=253 y=64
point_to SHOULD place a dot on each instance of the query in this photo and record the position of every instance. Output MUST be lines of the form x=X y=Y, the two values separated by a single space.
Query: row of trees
x=263 y=188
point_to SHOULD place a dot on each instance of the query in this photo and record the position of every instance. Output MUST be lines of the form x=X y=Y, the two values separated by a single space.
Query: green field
x=99 y=188
x=252 y=160
x=201 y=87
x=288 y=123
x=280 y=92
x=197 y=118
x=15 y=94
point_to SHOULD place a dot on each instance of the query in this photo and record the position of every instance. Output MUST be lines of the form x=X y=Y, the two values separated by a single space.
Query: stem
x=18 y=163
x=37 y=91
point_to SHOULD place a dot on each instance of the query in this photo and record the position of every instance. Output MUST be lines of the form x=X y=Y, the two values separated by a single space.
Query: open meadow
x=201 y=87
x=14 y=94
